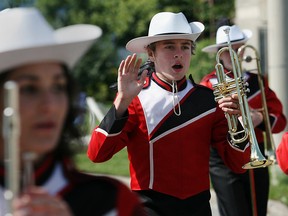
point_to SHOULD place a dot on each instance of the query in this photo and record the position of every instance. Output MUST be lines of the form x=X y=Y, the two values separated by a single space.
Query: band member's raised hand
x=129 y=85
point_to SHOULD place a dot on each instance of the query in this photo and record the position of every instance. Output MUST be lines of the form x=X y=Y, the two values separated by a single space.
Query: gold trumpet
x=227 y=86
x=267 y=134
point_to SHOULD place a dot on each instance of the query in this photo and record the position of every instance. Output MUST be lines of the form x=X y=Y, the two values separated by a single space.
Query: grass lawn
x=278 y=185
x=118 y=165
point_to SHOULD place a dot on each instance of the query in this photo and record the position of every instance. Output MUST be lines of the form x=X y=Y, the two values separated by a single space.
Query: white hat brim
x=138 y=45
x=70 y=44
x=215 y=47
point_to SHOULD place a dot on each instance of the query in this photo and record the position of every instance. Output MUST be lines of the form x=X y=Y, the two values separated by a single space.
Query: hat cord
x=176 y=102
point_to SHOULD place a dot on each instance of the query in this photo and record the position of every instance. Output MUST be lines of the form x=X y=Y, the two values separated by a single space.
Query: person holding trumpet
x=39 y=60
x=246 y=193
x=167 y=122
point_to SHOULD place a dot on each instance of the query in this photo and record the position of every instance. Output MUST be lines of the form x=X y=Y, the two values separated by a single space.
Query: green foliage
x=279 y=190
x=15 y=3
x=98 y=69
x=122 y=20
x=202 y=63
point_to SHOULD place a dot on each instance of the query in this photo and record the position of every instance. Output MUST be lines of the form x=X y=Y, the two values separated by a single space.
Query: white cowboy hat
x=166 y=26
x=26 y=37
x=236 y=36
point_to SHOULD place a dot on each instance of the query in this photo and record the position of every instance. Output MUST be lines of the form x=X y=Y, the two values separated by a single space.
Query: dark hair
x=223 y=21
x=149 y=66
x=71 y=133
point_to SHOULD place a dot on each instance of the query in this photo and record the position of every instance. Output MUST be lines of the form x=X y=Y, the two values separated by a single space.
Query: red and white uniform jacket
x=282 y=153
x=169 y=153
x=274 y=106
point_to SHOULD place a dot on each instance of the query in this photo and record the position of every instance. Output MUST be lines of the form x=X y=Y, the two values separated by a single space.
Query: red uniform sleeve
x=282 y=153
x=275 y=109
x=110 y=136
x=208 y=79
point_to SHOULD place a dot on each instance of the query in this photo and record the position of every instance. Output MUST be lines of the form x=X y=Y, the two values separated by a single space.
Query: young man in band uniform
x=168 y=122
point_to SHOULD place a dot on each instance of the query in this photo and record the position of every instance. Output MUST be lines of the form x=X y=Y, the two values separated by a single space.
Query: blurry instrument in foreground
x=267 y=134
x=226 y=87
x=12 y=155
x=11 y=131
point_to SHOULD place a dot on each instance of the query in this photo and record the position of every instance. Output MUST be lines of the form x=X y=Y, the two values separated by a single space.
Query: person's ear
x=151 y=55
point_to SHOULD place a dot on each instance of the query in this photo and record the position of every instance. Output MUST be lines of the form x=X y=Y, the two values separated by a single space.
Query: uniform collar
x=181 y=84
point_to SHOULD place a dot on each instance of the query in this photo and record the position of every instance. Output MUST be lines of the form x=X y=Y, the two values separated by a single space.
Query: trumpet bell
x=258 y=164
